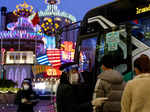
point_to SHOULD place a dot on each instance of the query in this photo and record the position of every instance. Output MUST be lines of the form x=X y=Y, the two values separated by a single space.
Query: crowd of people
x=110 y=94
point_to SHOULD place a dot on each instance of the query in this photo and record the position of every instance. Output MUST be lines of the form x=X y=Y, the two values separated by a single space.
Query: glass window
x=114 y=44
x=24 y=57
x=141 y=30
x=11 y=57
x=87 y=54
x=18 y=57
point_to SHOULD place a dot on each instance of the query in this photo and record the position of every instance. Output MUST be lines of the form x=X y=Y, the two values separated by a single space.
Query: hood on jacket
x=111 y=76
x=143 y=75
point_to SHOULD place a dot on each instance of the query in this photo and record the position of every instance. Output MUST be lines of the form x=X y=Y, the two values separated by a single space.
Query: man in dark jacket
x=26 y=98
x=67 y=99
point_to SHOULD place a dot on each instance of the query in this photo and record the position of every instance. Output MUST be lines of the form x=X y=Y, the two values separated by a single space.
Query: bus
x=120 y=28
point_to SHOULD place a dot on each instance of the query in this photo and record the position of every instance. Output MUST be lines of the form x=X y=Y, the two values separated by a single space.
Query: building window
x=11 y=57
x=17 y=57
x=24 y=57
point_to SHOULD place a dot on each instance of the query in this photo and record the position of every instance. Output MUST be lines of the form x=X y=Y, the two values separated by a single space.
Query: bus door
x=117 y=44
x=92 y=47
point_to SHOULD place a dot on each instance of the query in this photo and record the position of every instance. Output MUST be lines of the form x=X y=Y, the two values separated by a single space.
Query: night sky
x=77 y=8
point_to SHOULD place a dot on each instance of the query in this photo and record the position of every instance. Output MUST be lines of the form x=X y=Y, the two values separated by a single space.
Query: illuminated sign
x=49 y=42
x=112 y=40
x=56 y=12
x=53 y=72
x=43 y=60
x=50 y=71
x=54 y=57
x=23 y=28
x=67 y=51
x=142 y=10
x=49 y=26
x=21 y=34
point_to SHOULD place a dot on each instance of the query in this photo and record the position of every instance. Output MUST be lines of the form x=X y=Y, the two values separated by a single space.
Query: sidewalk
x=42 y=106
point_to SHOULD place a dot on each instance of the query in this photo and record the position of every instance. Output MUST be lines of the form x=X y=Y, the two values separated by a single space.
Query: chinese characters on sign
x=112 y=40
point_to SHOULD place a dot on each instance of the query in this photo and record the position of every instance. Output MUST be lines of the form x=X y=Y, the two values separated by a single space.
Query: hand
x=24 y=100
x=99 y=101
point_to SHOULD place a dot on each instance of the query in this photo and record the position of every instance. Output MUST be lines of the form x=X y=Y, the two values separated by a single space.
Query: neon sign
x=67 y=51
x=43 y=60
x=20 y=34
x=56 y=12
x=142 y=10
x=51 y=72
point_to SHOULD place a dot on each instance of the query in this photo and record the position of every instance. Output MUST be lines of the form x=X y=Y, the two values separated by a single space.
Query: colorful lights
x=20 y=34
x=49 y=26
x=49 y=42
x=22 y=24
x=23 y=28
x=50 y=71
x=43 y=60
x=54 y=57
x=56 y=12
x=11 y=26
x=67 y=51
x=23 y=10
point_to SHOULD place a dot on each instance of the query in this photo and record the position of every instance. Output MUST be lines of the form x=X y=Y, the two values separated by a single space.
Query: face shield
x=73 y=73
x=73 y=76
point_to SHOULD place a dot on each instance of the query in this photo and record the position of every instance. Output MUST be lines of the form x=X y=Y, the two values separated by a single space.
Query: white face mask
x=26 y=87
x=74 y=78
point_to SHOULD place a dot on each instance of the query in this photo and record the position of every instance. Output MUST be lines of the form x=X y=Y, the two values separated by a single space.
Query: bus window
x=141 y=36
x=141 y=30
x=116 y=46
x=87 y=54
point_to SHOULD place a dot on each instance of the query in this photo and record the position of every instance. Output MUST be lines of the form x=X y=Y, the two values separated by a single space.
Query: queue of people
x=111 y=93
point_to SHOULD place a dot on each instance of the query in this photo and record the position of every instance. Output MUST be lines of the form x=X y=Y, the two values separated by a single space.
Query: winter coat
x=136 y=96
x=30 y=96
x=109 y=84
x=67 y=100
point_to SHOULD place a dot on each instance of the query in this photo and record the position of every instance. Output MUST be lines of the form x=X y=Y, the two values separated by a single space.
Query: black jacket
x=30 y=95
x=67 y=98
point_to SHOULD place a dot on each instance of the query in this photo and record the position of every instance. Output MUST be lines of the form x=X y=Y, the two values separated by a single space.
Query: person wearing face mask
x=26 y=98
x=73 y=75
x=67 y=99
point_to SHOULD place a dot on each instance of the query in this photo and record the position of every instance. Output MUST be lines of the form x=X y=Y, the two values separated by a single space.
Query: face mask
x=74 y=78
x=26 y=87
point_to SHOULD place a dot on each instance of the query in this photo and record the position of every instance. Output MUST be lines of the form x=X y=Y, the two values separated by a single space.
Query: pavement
x=42 y=106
